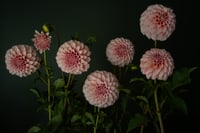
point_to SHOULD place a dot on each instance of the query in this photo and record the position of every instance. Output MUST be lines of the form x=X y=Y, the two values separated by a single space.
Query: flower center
x=101 y=89
x=121 y=50
x=72 y=58
x=161 y=19
x=19 y=62
x=42 y=41
x=157 y=60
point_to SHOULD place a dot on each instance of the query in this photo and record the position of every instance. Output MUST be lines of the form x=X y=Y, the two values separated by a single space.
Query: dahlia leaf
x=179 y=104
x=60 y=93
x=90 y=117
x=127 y=91
x=75 y=118
x=59 y=83
x=36 y=92
x=59 y=108
x=34 y=129
x=56 y=120
x=182 y=76
x=143 y=98
x=136 y=79
x=123 y=102
x=136 y=121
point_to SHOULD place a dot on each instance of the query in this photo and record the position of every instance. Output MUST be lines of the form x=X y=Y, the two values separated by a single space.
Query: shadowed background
x=104 y=19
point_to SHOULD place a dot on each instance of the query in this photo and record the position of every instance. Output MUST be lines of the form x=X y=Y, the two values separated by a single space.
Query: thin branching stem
x=48 y=85
x=97 y=120
x=158 y=112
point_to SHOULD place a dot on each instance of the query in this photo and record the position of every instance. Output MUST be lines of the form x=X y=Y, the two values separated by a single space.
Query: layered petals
x=101 y=89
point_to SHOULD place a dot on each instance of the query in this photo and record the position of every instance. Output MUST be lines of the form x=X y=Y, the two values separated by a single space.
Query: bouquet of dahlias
x=129 y=98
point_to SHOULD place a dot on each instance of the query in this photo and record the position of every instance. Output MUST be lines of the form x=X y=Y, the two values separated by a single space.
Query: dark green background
x=105 y=20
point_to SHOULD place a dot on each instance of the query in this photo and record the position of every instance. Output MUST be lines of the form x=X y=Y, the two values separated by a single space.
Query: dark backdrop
x=105 y=20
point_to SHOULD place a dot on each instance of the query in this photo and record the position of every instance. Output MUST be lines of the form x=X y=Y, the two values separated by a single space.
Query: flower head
x=120 y=51
x=22 y=60
x=101 y=89
x=157 y=22
x=42 y=41
x=157 y=64
x=73 y=57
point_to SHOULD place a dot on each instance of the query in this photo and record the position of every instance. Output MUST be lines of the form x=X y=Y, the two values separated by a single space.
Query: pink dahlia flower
x=157 y=22
x=42 y=41
x=22 y=60
x=120 y=52
x=73 y=57
x=101 y=89
x=157 y=64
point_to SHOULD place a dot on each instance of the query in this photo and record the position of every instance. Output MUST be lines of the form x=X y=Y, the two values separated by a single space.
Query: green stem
x=151 y=116
x=69 y=82
x=155 y=43
x=48 y=85
x=158 y=112
x=97 y=120
x=41 y=78
x=142 y=129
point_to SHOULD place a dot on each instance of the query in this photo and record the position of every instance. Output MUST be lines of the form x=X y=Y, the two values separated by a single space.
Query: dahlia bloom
x=157 y=22
x=120 y=51
x=42 y=41
x=22 y=60
x=101 y=89
x=157 y=64
x=73 y=57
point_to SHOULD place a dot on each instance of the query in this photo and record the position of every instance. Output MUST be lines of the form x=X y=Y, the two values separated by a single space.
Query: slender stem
x=97 y=120
x=41 y=78
x=69 y=81
x=142 y=129
x=155 y=43
x=48 y=85
x=151 y=116
x=158 y=112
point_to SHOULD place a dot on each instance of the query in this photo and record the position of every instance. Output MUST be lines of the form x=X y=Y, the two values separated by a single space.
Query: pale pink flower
x=157 y=64
x=101 y=89
x=120 y=52
x=42 y=41
x=73 y=57
x=157 y=22
x=22 y=60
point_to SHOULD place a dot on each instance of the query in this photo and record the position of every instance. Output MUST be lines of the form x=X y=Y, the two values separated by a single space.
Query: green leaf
x=56 y=120
x=60 y=93
x=89 y=123
x=179 y=103
x=90 y=117
x=59 y=83
x=75 y=118
x=127 y=91
x=59 y=107
x=182 y=76
x=124 y=102
x=136 y=79
x=35 y=91
x=136 y=121
x=34 y=129
x=143 y=98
